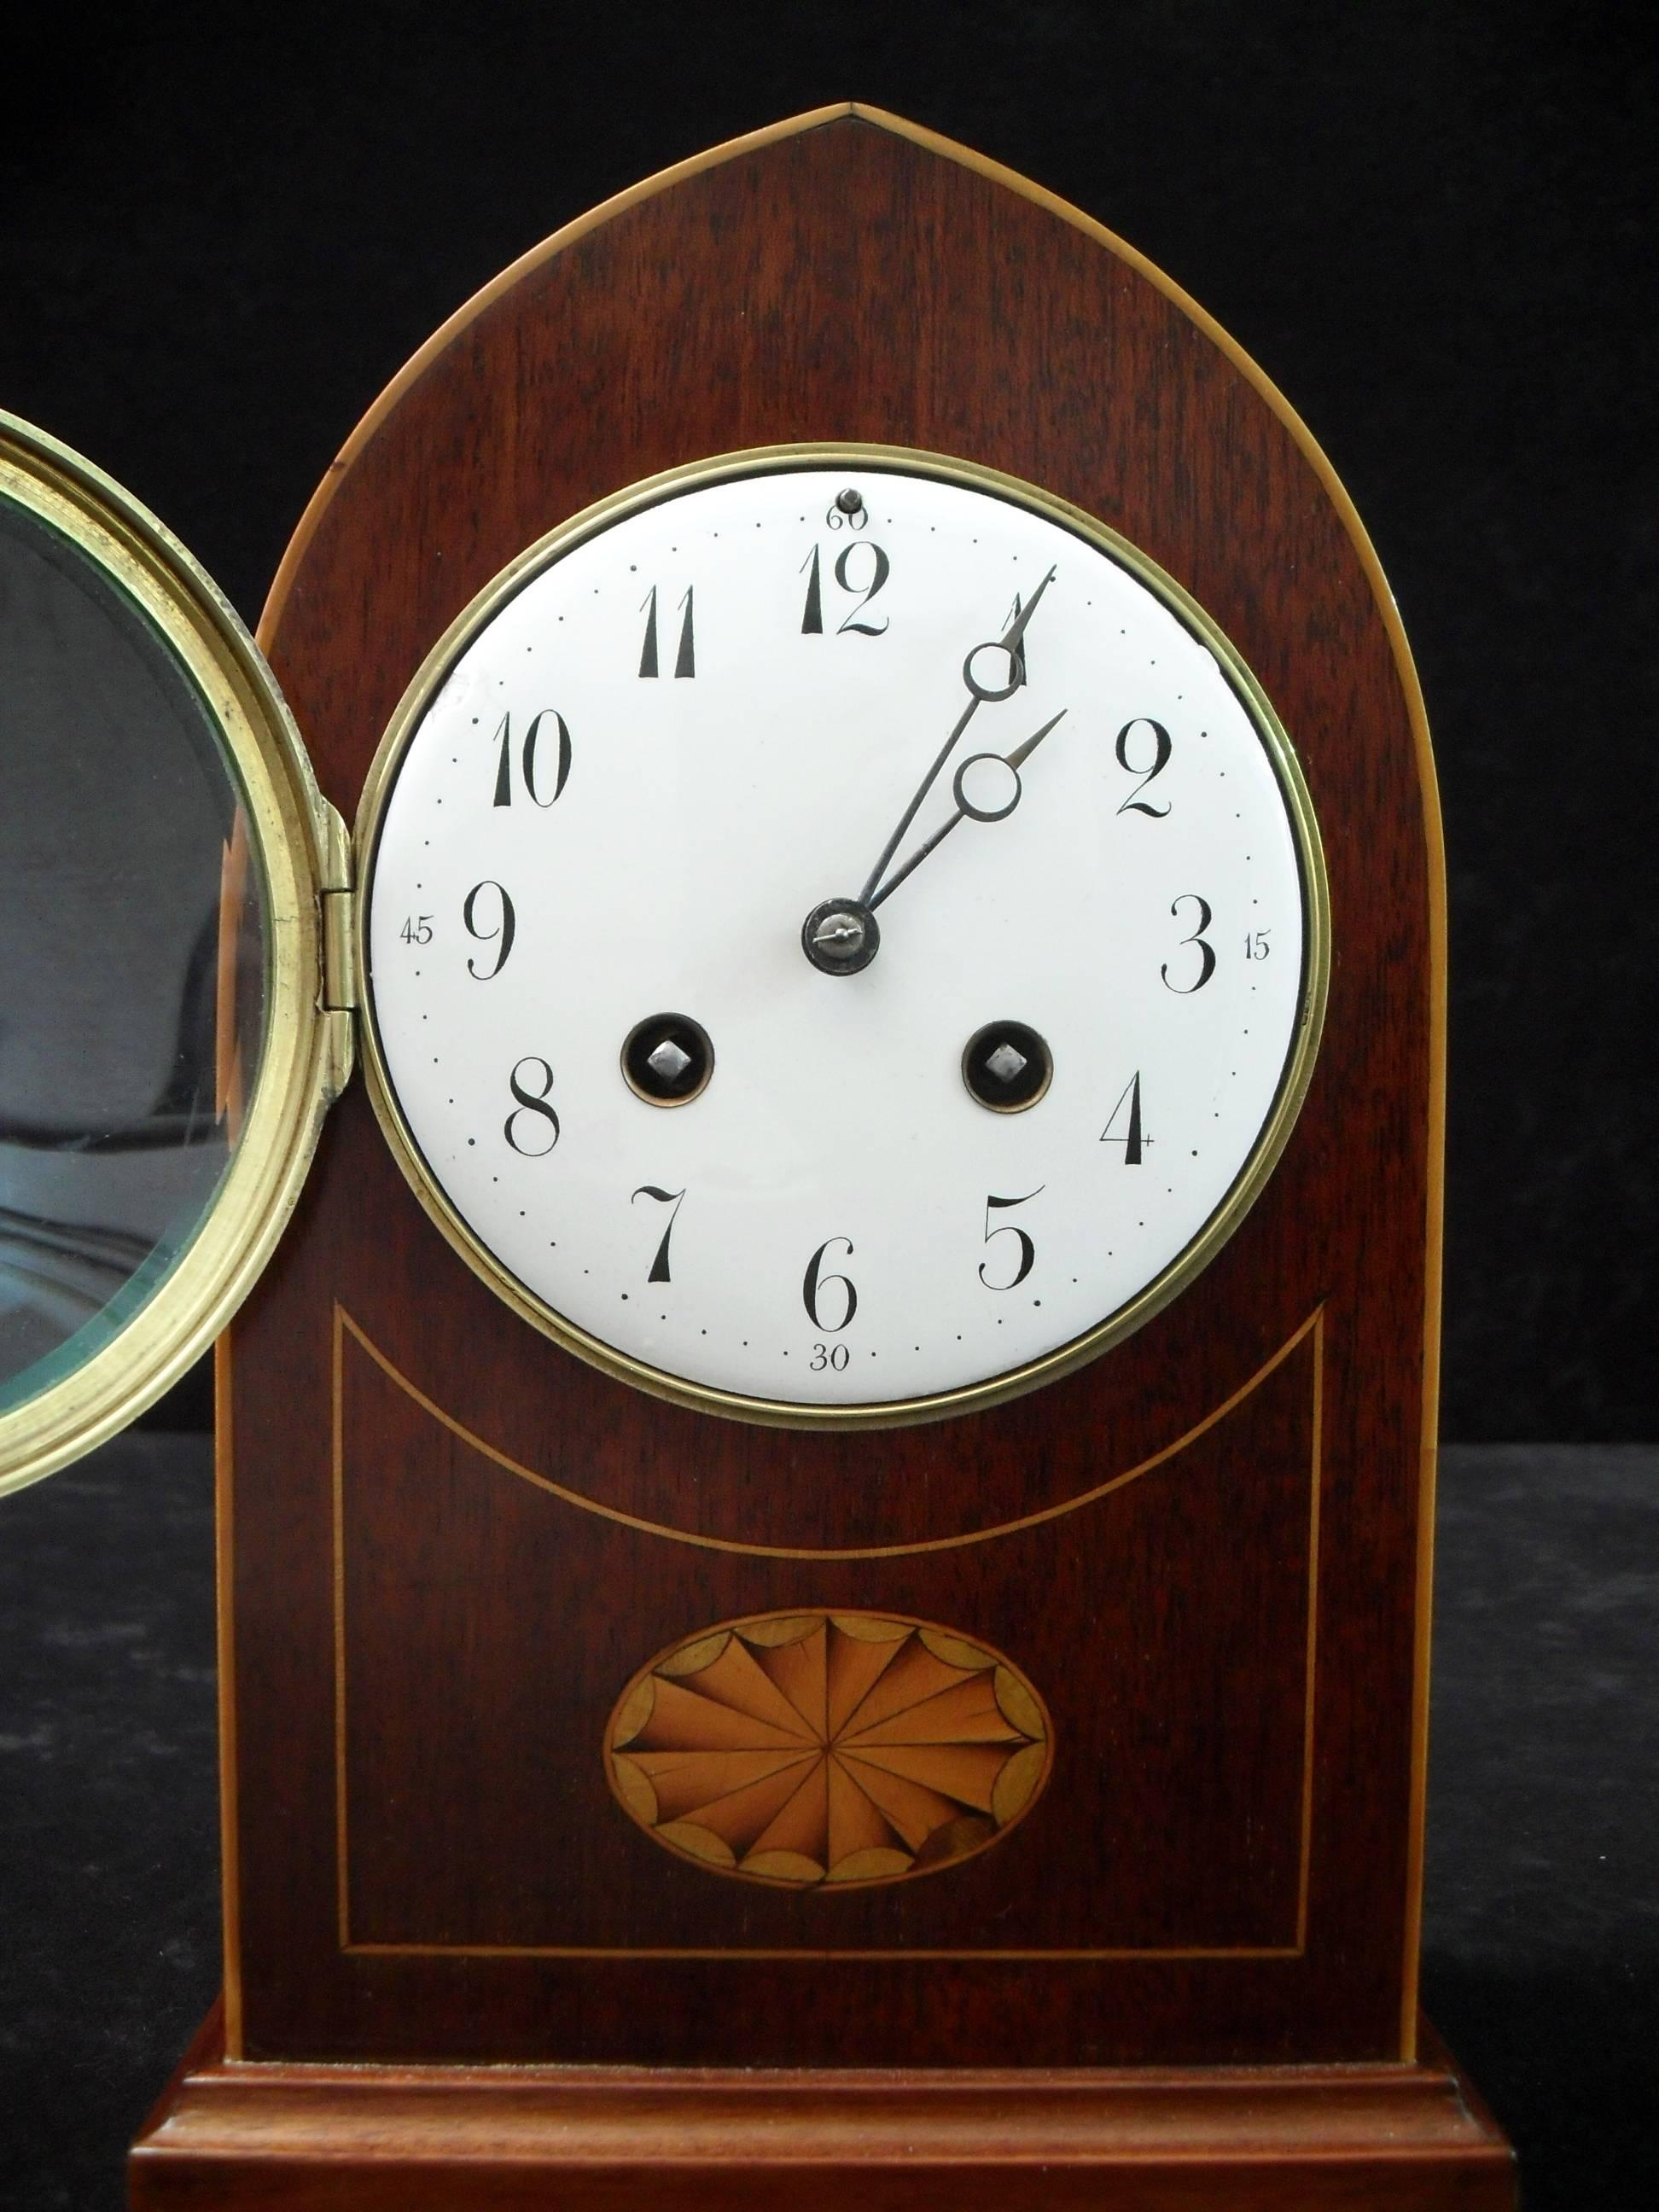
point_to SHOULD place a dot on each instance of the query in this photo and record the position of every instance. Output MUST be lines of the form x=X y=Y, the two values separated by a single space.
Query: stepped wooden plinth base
x=414 y=2139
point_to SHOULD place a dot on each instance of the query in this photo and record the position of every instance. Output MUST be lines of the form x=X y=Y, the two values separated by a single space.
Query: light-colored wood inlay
x=852 y=1625
x=827 y=1753
x=854 y=1658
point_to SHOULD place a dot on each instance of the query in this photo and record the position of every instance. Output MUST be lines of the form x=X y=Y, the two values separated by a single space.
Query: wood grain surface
x=1261 y=2139
x=449 y=1544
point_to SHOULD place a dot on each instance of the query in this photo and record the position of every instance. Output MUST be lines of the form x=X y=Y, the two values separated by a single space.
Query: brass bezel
x=1293 y=1084
x=304 y=1058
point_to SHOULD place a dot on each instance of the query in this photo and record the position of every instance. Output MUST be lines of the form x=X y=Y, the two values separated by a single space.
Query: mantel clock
x=826 y=1460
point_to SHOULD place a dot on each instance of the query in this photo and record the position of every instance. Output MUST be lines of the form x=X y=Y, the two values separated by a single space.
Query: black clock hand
x=1014 y=760
x=1008 y=643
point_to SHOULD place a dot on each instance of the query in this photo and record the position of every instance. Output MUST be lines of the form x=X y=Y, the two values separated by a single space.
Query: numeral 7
x=670 y=1198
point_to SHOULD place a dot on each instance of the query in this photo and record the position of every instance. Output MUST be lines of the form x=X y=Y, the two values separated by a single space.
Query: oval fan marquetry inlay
x=828 y=1748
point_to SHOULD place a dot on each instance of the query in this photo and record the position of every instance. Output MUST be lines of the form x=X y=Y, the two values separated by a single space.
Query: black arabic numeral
x=1014 y=614
x=1162 y=747
x=529 y=759
x=544 y=1122
x=670 y=1198
x=1027 y=1250
x=1133 y=1138
x=1255 y=945
x=814 y=1282
x=500 y=936
x=562 y=769
x=504 y=763
x=811 y=620
x=881 y=570
x=1206 y=951
x=417 y=929
x=685 y=658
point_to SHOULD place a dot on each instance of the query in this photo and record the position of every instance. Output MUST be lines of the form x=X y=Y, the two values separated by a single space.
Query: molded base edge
x=254 y=2138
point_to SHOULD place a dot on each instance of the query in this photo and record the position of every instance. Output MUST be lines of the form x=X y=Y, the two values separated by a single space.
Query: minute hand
x=1008 y=643
x=1013 y=760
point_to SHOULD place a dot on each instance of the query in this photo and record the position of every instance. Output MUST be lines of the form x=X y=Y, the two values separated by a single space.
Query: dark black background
x=221 y=233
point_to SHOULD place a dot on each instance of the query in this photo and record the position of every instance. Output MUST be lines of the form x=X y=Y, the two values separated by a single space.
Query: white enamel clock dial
x=698 y=1062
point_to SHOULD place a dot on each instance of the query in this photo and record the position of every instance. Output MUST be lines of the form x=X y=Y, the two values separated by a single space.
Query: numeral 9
x=500 y=936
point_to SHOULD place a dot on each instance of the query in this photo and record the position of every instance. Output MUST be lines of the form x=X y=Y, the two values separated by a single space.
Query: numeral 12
x=811 y=620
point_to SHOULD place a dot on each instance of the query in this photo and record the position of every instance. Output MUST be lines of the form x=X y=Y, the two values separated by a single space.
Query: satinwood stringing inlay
x=818 y=1749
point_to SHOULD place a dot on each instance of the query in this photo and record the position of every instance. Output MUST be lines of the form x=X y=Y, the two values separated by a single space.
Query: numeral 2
x=1162 y=747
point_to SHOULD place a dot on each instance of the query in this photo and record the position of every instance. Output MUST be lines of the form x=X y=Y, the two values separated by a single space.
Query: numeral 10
x=533 y=767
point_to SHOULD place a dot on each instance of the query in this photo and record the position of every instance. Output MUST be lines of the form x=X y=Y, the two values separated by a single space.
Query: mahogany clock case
x=447 y=1551
x=1174 y=1602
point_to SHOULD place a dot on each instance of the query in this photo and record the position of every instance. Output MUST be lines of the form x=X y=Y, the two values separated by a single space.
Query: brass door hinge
x=335 y=918
x=339 y=987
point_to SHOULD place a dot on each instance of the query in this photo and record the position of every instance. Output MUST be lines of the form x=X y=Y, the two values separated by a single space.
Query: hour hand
x=978 y=694
x=987 y=788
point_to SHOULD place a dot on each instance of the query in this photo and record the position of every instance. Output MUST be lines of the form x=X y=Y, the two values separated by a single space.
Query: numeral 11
x=685 y=661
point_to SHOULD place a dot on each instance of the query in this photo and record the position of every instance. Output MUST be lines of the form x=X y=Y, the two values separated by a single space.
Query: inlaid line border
x=345 y=1326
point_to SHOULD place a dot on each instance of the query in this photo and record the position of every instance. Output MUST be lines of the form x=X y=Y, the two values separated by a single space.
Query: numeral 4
x=1131 y=1135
